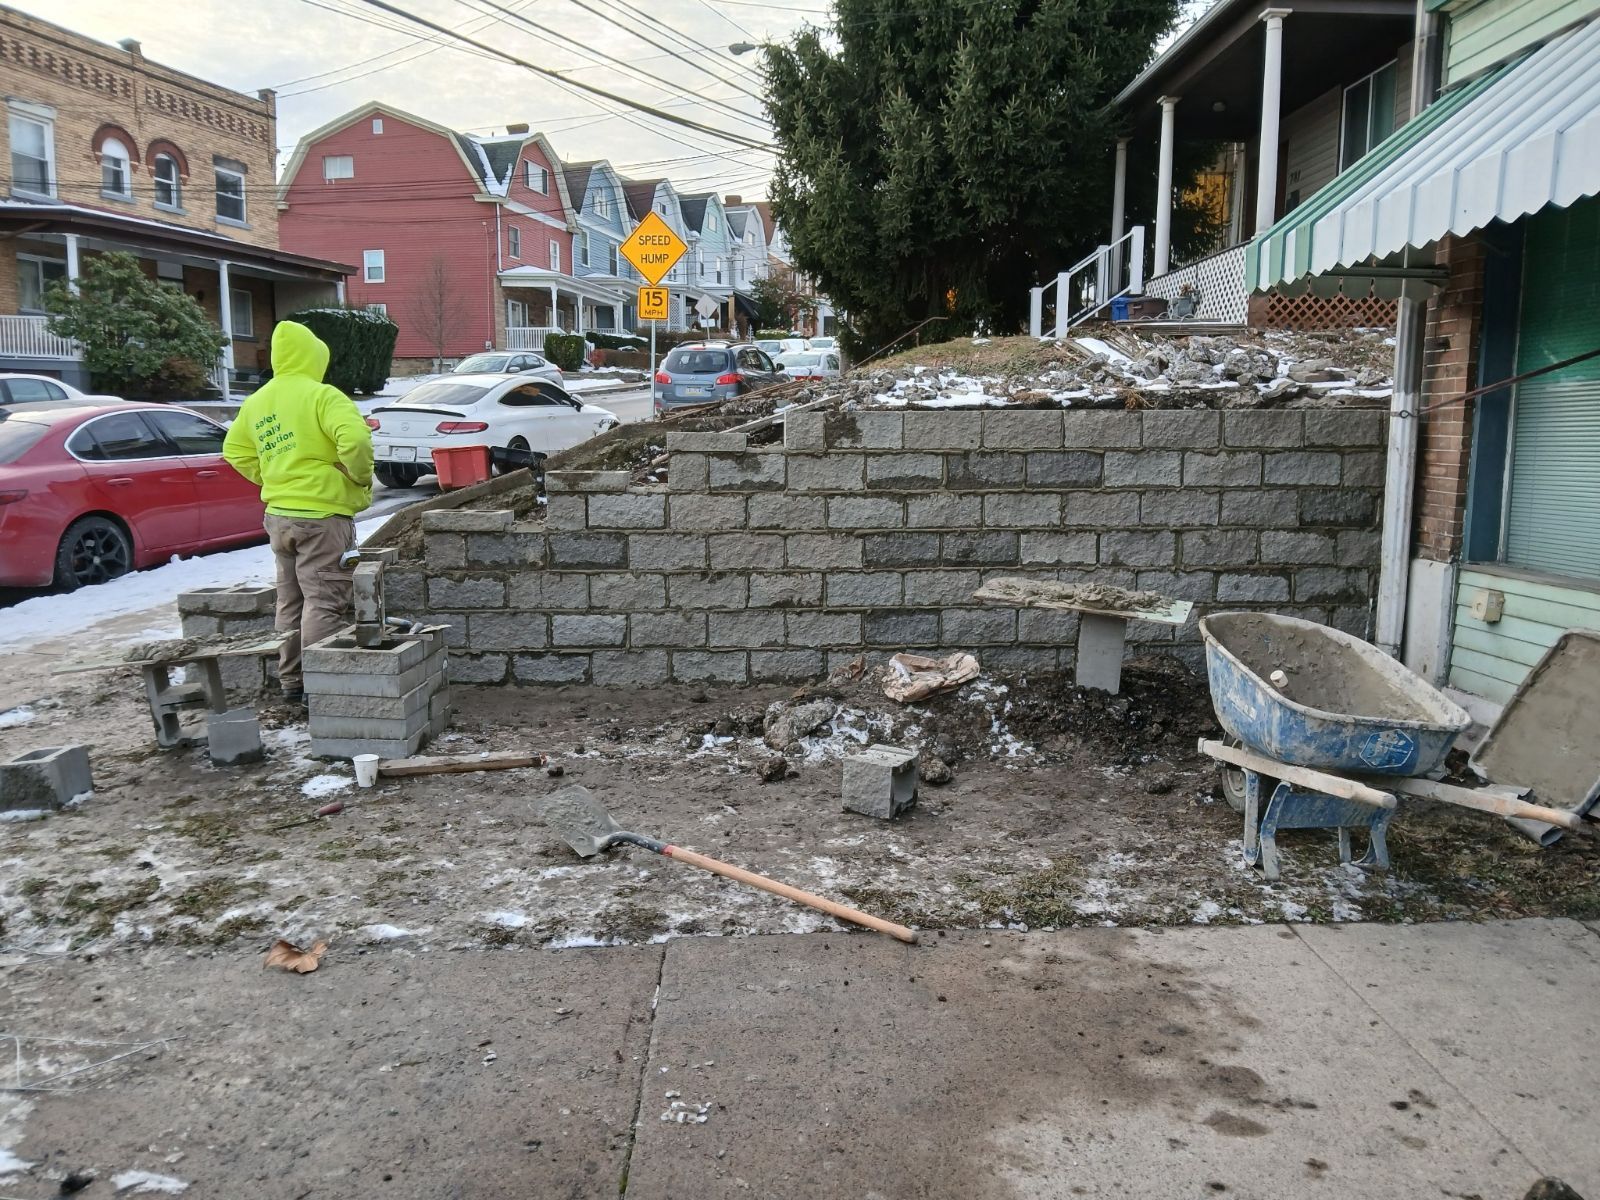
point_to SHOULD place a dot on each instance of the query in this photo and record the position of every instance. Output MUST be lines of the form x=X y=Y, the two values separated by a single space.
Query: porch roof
x=1496 y=149
x=589 y=287
x=1214 y=67
x=27 y=217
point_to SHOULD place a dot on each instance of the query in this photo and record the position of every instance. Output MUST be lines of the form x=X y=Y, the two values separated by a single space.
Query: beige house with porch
x=106 y=151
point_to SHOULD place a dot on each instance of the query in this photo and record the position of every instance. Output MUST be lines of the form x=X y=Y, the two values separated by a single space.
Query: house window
x=114 y=175
x=230 y=195
x=536 y=177
x=33 y=154
x=611 y=259
x=377 y=124
x=372 y=266
x=555 y=256
x=34 y=275
x=583 y=247
x=381 y=309
x=242 y=309
x=338 y=166
x=1368 y=115
x=168 y=188
x=514 y=242
x=602 y=205
x=516 y=314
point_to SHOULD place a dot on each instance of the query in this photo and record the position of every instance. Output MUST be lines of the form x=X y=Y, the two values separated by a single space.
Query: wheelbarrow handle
x=843 y=912
x=1320 y=781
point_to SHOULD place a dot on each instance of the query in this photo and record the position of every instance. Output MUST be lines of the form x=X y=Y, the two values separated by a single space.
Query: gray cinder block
x=45 y=778
x=880 y=782
x=234 y=737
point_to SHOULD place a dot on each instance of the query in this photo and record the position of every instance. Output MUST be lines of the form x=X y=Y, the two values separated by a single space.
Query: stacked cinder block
x=230 y=610
x=869 y=532
x=388 y=700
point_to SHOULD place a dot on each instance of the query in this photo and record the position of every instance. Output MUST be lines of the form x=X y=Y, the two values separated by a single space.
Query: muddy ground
x=1065 y=808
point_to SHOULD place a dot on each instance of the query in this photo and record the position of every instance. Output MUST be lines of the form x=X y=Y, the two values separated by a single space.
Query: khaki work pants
x=314 y=592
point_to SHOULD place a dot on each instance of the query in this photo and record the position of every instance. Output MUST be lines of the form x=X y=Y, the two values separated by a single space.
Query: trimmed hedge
x=566 y=350
x=612 y=341
x=360 y=346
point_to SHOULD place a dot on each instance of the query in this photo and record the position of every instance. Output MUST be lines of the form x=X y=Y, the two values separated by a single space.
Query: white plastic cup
x=366 y=769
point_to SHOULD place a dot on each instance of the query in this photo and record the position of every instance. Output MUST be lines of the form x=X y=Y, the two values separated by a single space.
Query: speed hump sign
x=652 y=304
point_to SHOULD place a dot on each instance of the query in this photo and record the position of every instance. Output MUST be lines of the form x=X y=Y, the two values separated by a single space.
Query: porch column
x=1271 y=96
x=1236 y=196
x=72 y=261
x=1169 y=105
x=1400 y=477
x=1119 y=198
x=577 y=307
x=616 y=318
x=225 y=311
x=555 y=313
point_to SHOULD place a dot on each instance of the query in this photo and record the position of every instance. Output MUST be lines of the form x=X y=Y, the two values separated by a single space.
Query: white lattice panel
x=1220 y=281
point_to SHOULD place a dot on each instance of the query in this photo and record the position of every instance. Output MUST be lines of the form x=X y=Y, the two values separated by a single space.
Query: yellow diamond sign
x=653 y=248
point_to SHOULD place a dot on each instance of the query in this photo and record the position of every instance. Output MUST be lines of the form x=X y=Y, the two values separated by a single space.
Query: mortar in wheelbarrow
x=1344 y=705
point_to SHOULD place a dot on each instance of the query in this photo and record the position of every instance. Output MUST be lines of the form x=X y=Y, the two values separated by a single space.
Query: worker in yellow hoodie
x=310 y=450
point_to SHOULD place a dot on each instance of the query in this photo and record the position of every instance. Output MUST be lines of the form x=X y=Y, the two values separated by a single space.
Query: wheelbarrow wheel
x=1233 y=781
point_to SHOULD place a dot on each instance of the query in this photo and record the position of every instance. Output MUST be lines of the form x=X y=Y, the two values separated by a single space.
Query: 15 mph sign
x=653 y=248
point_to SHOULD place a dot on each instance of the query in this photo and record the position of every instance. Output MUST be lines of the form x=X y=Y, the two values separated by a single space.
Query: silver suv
x=704 y=372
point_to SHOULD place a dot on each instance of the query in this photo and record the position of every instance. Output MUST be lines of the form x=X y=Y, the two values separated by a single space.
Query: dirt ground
x=1065 y=808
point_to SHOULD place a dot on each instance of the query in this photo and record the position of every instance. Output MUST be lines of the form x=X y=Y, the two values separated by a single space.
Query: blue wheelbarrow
x=1305 y=706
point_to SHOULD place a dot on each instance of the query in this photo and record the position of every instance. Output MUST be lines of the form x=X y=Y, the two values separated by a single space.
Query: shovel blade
x=578 y=819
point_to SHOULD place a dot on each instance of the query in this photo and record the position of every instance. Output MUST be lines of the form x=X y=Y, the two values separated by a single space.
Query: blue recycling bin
x=1119 y=309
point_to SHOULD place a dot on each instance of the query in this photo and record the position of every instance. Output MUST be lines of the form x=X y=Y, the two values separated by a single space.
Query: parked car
x=812 y=364
x=511 y=411
x=91 y=491
x=793 y=345
x=522 y=362
x=21 y=389
x=770 y=346
x=824 y=343
x=701 y=372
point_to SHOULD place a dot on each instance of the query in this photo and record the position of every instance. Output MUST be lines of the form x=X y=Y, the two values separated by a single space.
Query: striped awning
x=1500 y=147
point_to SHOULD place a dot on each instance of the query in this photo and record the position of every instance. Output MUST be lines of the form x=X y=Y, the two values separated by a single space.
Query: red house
x=465 y=242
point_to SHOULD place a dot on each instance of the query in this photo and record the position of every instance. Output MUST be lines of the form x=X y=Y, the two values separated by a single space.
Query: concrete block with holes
x=881 y=781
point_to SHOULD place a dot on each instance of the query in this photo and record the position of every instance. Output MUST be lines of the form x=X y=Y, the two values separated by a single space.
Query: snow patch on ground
x=148 y=1181
x=23 y=714
x=16 y=816
x=325 y=785
x=10 y=1164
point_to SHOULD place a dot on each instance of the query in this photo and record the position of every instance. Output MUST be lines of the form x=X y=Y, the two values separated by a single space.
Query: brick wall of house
x=869 y=533
x=1450 y=369
x=91 y=84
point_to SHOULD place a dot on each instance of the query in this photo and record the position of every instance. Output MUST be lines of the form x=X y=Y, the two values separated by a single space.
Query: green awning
x=1283 y=254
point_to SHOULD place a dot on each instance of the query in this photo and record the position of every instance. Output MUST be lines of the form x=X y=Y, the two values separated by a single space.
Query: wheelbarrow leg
x=1269 y=830
x=1252 y=817
x=1377 y=856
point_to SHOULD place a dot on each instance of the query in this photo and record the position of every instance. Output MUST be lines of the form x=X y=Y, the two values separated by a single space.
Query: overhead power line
x=651 y=110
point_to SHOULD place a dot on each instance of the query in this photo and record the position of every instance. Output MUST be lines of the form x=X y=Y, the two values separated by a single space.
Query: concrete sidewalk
x=1270 y=1062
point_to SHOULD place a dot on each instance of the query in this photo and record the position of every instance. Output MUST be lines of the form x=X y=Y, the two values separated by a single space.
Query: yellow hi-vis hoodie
x=303 y=441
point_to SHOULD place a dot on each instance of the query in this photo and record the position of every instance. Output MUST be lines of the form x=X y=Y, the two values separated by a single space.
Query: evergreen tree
x=938 y=157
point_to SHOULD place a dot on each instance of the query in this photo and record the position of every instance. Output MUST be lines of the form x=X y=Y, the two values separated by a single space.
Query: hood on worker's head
x=298 y=351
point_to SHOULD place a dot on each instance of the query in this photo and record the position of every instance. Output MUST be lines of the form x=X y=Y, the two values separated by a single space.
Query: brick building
x=105 y=150
x=466 y=243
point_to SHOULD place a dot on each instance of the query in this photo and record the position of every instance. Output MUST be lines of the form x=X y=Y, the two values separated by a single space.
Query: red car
x=92 y=491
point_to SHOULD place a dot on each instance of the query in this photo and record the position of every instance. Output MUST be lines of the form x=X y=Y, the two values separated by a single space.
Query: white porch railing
x=1087 y=286
x=529 y=337
x=28 y=337
x=1217 y=283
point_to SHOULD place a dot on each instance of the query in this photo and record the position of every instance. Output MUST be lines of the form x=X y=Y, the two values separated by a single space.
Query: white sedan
x=511 y=411
x=27 y=389
x=811 y=364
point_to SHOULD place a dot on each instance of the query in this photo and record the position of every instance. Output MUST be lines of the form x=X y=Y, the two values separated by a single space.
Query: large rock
x=786 y=725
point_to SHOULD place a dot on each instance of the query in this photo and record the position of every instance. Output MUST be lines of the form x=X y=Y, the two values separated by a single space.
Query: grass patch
x=1036 y=898
x=216 y=895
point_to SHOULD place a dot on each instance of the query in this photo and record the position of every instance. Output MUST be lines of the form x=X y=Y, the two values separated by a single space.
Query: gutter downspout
x=1405 y=407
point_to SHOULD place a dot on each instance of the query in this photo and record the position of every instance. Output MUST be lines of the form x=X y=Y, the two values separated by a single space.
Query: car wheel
x=516 y=443
x=388 y=476
x=93 y=550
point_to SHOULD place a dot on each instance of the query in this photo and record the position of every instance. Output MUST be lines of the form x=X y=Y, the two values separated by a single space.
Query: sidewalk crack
x=644 y=1074
x=1439 y=1074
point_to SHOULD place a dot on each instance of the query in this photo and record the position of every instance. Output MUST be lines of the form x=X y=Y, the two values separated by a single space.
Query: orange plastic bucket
x=461 y=466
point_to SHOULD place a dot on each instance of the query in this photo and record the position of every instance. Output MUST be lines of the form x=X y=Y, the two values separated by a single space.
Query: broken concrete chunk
x=880 y=782
x=933 y=769
x=770 y=770
x=1315 y=370
x=786 y=725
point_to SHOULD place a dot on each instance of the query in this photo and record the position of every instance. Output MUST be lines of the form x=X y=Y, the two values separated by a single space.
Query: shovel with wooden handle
x=588 y=828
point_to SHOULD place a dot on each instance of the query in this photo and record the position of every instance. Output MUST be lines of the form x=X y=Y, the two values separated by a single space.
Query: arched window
x=168 y=185
x=115 y=176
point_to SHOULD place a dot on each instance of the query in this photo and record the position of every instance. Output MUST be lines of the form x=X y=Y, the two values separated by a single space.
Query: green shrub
x=566 y=350
x=612 y=341
x=360 y=346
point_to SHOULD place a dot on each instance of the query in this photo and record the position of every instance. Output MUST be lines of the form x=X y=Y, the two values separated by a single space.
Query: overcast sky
x=325 y=57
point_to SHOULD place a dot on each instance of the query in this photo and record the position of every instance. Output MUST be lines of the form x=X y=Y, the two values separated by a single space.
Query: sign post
x=653 y=249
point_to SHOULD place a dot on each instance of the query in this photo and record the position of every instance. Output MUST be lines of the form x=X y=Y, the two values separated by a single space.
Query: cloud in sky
x=325 y=57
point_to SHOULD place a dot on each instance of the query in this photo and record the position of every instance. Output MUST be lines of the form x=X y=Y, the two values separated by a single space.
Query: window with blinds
x=1552 y=519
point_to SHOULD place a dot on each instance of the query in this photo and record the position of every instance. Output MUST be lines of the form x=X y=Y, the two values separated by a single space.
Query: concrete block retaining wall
x=870 y=532
x=230 y=610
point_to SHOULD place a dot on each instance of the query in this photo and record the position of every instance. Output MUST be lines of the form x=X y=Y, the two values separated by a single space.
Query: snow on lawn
x=57 y=615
